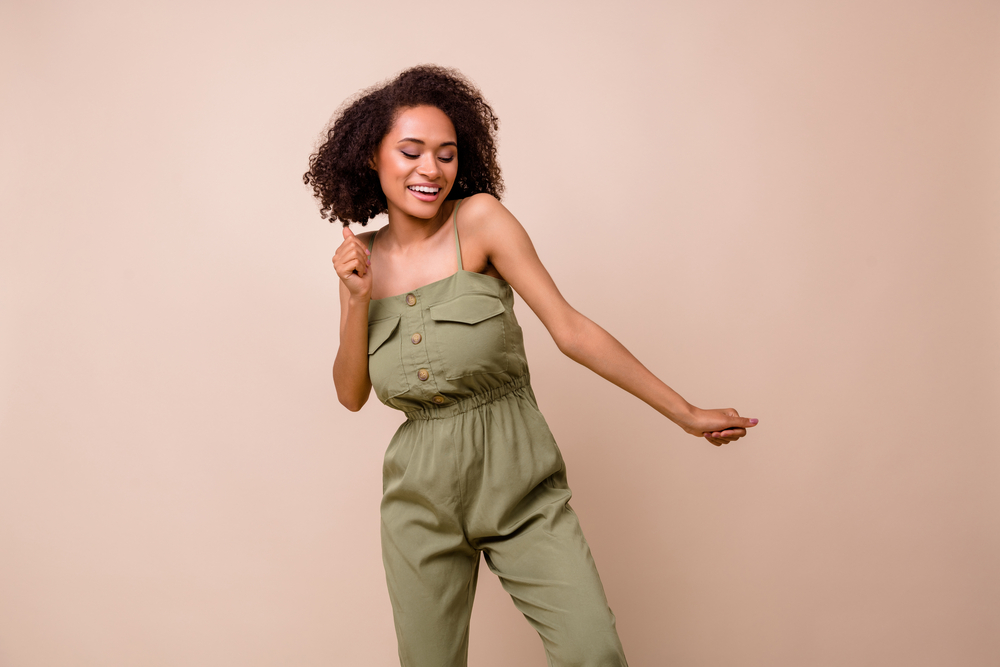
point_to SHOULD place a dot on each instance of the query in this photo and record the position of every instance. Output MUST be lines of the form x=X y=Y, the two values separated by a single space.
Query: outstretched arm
x=492 y=228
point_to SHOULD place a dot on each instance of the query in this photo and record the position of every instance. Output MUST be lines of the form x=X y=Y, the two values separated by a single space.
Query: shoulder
x=489 y=230
x=480 y=206
x=483 y=214
x=366 y=236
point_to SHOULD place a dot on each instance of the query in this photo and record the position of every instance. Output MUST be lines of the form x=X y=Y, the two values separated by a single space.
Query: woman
x=427 y=319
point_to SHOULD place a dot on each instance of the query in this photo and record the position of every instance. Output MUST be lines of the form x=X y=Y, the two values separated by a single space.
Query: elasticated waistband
x=470 y=403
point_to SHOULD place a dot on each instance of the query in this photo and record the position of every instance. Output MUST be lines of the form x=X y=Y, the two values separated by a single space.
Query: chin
x=425 y=210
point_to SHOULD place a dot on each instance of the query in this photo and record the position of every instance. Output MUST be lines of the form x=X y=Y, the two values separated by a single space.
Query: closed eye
x=411 y=156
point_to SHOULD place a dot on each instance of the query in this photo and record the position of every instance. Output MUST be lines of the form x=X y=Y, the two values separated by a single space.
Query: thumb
x=747 y=423
x=347 y=232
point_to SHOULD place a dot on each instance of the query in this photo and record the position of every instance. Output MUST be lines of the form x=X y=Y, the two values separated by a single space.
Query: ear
x=372 y=164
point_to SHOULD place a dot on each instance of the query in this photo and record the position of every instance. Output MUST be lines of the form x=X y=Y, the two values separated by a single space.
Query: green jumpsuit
x=475 y=468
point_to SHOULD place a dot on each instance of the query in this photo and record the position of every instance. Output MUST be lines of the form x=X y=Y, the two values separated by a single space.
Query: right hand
x=353 y=266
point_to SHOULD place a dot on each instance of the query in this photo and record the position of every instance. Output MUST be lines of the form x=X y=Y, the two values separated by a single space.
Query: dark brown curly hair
x=340 y=173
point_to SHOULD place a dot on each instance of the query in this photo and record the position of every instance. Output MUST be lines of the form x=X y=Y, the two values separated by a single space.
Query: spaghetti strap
x=458 y=247
x=371 y=242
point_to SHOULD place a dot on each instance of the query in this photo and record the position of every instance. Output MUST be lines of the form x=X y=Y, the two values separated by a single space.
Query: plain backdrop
x=788 y=208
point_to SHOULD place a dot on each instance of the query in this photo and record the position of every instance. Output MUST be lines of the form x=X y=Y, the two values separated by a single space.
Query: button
x=416 y=338
x=438 y=399
x=411 y=299
x=423 y=374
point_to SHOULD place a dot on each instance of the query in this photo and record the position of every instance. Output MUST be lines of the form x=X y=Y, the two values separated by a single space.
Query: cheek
x=391 y=169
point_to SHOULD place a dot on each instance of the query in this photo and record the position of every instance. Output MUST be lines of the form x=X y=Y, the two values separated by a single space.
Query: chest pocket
x=385 y=361
x=468 y=336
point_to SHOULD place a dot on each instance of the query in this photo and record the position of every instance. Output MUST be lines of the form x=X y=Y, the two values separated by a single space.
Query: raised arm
x=350 y=368
x=493 y=229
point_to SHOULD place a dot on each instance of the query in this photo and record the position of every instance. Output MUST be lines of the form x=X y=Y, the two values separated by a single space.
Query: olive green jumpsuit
x=475 y=468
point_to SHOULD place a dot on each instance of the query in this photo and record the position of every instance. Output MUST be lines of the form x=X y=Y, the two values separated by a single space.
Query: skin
x=417 y=248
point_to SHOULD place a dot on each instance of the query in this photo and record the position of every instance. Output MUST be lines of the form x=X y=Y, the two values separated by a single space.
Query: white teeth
x=425 y=189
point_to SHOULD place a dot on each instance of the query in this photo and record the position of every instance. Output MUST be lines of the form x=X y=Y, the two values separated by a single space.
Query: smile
x=425 y=189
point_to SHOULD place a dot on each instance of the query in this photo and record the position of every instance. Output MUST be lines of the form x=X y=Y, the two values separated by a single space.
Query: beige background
x=806 y=196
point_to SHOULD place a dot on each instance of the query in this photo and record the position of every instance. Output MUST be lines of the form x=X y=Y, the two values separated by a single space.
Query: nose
x=429 y=167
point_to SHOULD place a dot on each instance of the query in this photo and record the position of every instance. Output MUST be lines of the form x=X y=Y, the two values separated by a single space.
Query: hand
x=719 y=426
x=353 y=266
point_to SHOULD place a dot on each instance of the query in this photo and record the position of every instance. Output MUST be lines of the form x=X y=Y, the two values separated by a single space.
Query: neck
x=405 y=230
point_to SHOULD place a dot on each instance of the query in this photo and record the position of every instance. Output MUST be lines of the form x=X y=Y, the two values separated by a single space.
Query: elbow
x=352 y=400
x=568 y=335
x=353 y=406
x=578 y=338
x=352 y=403
x=569 y=344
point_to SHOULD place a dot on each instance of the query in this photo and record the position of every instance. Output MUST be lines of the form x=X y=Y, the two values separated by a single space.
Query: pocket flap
x=468 y=309
x=380 y=330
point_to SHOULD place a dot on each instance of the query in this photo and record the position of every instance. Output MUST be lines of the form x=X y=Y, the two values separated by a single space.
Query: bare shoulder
x=483 y=216
x=481 y=204
x=366 y=236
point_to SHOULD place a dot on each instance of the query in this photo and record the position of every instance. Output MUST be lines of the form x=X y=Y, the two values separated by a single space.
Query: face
x=417 y=162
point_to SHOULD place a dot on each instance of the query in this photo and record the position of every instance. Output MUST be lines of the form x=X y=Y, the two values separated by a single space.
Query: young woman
x=427 y=320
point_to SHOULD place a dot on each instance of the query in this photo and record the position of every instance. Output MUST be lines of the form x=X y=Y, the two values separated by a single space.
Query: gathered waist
x=470 y=402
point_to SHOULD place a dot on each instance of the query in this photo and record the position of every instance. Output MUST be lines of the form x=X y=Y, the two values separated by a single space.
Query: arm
x=350 y=368
x=510 y=251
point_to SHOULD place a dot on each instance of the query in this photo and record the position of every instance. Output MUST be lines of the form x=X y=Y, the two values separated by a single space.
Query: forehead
x=429 y=124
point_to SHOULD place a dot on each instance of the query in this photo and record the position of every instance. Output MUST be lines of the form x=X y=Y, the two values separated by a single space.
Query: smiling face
x=417 y=162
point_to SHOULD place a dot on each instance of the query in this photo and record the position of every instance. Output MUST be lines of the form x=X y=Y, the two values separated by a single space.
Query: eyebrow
x=423 y=143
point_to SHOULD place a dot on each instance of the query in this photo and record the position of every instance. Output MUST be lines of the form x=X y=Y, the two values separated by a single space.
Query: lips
x=423 y=192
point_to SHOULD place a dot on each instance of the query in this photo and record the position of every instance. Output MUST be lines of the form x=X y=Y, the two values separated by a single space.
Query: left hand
x=719 y=426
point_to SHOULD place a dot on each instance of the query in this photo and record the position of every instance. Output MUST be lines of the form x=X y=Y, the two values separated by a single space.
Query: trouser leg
x=432 y=583
x=548 y=570
x=430 y=567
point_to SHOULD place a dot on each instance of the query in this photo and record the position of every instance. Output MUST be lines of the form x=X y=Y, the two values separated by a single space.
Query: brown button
x=423 y=374
x=416 y=338
x=411 y=299
x=438 y=399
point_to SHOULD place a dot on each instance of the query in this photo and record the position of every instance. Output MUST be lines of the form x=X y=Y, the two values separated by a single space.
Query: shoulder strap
x=371 y=242
x=458 y=247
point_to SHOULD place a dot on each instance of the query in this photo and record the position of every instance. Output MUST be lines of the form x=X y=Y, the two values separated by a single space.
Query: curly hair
x=340 y=170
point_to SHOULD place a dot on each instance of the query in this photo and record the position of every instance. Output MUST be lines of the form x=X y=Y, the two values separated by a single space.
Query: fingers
x=725 y=436
x=720 y=438
x=730 y=433
x=351 y=257
x=733 y=422
x=352 y=267
x=743 y=422
x=726 y=425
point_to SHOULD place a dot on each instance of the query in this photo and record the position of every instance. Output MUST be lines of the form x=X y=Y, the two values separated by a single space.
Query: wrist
x=359 y=300
x=682 y=414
